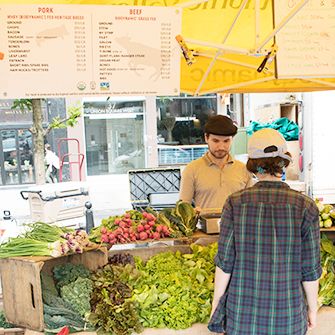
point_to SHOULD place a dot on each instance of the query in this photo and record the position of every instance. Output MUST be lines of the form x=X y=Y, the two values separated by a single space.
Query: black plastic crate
x=146 y=182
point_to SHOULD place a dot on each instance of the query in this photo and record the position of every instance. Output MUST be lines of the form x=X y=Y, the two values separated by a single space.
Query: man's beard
x=218 y=154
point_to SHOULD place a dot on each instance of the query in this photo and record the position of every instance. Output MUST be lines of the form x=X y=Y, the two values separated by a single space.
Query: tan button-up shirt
x=209 y=185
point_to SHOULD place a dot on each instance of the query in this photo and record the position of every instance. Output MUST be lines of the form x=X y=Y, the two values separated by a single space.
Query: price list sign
x=67 y=50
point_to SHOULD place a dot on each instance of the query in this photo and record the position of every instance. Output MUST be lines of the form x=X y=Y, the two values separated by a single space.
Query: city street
x=109 y=195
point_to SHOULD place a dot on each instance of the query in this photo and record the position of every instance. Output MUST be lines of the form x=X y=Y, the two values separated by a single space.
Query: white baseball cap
x=266 y=143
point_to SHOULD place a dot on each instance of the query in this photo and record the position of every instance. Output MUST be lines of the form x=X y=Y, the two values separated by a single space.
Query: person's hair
x=271 y=165
x=47 y=146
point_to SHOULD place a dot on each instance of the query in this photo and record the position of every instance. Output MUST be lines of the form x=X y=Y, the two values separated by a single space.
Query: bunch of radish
x=130 y=227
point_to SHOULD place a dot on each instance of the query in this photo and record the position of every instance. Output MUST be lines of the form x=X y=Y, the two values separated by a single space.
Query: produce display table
x=196 y=329
x=325 y=326
x=198 y=237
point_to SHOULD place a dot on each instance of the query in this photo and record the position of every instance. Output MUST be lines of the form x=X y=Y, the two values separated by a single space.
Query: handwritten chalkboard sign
x=306 y=44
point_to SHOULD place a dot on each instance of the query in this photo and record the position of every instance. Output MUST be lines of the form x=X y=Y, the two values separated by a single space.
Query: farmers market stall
x=156 y=278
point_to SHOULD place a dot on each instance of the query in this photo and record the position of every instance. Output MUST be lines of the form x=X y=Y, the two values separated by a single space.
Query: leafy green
x=78 y=295
x=112 y=309
x=67 y=273
x=183 y=216
x=3 y=321
x=175 y=290
x=326 y=294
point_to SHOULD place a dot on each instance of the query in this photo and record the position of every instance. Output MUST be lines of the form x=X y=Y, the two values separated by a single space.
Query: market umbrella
x=233 y=43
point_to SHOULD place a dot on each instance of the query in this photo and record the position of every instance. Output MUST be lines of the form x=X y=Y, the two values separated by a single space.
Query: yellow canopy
x=224 y=36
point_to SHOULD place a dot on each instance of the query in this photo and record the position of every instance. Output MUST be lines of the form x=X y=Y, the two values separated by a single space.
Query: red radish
x=122 y=224
x=111 y=235
x=151 y=223
x=103 y=230
x=140 y=228
x=105 y=238
x=151 y=217
x=117 y=221
x=133 y=237
x=145 y=214
x=147 y=227
x=143 y=235
x=127 y=215
x=156 y=235
x=118 y=231
x=159 y=228
x=165 y=229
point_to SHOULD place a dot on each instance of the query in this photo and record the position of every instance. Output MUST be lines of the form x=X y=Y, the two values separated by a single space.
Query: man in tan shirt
x=209 y=180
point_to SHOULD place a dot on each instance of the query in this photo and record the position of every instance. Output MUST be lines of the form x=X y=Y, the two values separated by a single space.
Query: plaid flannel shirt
x=270 y=243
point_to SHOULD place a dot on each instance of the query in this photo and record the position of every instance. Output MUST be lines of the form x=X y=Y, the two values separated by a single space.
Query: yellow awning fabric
x=226 y=31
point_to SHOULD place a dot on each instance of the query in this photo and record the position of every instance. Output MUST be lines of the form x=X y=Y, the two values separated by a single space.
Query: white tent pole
x=235 y=20
x=218 y=46
x=257 y=20
x=284 y=21
x=204 y=77
x=246 y=83
x=227 y=60
x=219 y=52
x=327 y=83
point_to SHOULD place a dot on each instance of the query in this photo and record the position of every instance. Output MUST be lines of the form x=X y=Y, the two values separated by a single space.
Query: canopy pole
x=235 y=20
x=218 y=46
x=257 y=20
x=246 y=83
x=219 y=52
x=318 y=81
x=227 y=60
x=284 y=21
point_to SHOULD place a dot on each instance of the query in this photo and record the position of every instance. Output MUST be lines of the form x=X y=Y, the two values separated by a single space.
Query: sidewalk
x=109 y=195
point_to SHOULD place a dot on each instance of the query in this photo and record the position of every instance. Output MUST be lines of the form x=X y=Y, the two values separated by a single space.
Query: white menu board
x=81 y=50
x=306 y=44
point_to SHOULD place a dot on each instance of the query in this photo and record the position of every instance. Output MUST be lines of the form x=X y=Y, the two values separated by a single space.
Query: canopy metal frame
x=257 y=51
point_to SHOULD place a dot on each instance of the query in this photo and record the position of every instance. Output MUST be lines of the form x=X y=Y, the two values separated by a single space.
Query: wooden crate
x=195 y=329
x=12 y=331
x=21 y=284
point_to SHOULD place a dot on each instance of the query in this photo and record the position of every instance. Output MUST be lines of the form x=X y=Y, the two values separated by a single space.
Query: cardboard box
x=21 y=283
x=293 y=171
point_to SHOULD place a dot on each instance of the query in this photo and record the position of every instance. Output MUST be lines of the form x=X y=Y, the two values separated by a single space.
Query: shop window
x=180 y=124
x=114 y=136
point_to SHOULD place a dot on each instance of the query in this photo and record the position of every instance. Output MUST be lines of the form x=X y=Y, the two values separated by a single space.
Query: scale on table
x=209 y=221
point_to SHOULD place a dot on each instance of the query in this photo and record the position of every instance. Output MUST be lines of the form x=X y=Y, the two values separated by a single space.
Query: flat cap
x=220 y=125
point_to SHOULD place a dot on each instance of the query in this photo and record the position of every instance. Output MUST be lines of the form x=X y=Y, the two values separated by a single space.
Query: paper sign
x=80 y=50
x=306 y=45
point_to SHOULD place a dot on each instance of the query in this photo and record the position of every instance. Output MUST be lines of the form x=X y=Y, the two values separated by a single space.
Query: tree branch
x=51 y=126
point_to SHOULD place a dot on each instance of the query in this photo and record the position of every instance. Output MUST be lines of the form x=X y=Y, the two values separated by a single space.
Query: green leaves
x=78 y=295
x=175 y=290
x=73 y=113
x=22 y=104
x=326 y=294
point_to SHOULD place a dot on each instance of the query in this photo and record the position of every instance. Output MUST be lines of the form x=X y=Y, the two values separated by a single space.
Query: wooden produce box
x=196 y=329
x=12 y=331
x=146 y=253
x=21 y=283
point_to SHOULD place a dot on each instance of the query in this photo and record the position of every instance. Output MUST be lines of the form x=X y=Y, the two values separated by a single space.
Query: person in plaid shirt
x=268 y=260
